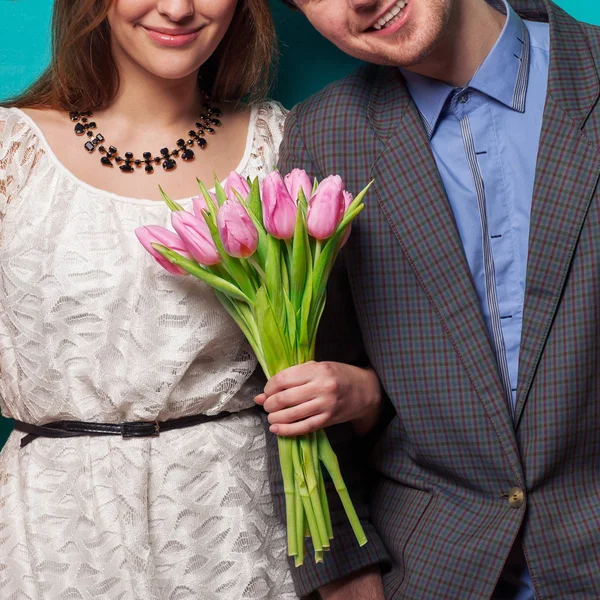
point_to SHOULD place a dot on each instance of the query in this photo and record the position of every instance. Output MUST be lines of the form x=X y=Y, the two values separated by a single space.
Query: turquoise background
x=308 y=62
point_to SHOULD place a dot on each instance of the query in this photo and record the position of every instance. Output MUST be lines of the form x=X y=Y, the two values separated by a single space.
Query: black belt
x=134 y=429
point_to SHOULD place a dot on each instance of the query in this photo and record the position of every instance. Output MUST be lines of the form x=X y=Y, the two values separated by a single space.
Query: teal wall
x=308 y=62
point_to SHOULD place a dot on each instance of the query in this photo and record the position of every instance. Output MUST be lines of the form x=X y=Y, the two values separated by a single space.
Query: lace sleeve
x=19 y=153
x=268 y=134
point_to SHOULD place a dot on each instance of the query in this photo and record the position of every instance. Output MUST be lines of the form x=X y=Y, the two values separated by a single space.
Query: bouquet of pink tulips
x=267 y=251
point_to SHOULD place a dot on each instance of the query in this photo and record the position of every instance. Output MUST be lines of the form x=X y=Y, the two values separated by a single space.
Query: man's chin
x=404 y=50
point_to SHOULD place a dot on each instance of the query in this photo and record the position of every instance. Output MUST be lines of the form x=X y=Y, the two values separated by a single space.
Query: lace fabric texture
x=92 y=329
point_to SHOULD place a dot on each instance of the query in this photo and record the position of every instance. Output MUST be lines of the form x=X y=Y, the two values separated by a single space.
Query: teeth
x=391 y=16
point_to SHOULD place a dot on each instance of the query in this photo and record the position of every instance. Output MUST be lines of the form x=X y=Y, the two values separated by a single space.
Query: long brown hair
x=82 y=74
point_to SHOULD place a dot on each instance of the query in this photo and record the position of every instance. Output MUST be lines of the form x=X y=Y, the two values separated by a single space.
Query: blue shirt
x=485 y=140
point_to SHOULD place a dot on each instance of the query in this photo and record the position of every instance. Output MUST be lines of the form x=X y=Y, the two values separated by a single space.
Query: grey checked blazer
x=435 y=502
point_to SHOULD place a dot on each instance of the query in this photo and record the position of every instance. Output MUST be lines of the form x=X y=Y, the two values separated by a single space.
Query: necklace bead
x=84 y=126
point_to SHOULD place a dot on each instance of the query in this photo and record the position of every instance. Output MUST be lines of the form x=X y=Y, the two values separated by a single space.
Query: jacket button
x=516 y=497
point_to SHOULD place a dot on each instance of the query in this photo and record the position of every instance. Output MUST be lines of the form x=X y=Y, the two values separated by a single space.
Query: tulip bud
x=348 y=198
x=199 y=204
x=326 y=208
x=238 y=183
x=279 y=210
x=298 y=179
x=237 y=231
x=154 y=234
x=196 y=236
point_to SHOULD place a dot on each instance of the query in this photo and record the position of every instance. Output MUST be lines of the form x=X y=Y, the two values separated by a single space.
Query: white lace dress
x=92 y=329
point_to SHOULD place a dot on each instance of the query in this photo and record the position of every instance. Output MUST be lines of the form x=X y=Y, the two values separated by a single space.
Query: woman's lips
x=171 y=39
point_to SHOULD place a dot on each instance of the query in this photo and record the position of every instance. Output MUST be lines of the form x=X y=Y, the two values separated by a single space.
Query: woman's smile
x=171 y=37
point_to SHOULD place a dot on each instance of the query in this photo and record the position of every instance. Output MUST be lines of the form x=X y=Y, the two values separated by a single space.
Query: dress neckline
x=130 y=200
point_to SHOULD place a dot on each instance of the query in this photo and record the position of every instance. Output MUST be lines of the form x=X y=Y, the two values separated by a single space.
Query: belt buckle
x=140 y=429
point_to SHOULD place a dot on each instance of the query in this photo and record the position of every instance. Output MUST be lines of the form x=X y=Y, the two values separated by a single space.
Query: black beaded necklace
x=85 y=126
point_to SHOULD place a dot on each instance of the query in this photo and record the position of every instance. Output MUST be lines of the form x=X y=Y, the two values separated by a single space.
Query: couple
x=459 y=348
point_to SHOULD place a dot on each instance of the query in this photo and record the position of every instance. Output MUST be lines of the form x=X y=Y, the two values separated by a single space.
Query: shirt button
x=516 y=497
x=464 y=98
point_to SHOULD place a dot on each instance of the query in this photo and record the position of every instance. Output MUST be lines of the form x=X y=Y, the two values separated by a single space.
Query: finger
x=291 y=397
x=301 y=427
x=296 y=413
x=260 y=399
x=292 y=377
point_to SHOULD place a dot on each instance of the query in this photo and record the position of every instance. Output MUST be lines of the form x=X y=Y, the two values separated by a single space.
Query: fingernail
x=274 y=429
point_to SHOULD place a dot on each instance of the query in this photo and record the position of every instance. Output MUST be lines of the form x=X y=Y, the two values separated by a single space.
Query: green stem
x=252 y=260
x=313 y=489
x=329 y=459
x=318 y=248
x=300 y=525
x=325 y=503
x=289 y=487
x=308 y=509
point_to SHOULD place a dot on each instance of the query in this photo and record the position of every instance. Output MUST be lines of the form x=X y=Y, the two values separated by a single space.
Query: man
x=475 y=275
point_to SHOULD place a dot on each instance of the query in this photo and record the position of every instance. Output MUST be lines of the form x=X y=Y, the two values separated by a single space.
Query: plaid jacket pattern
x=436 y=509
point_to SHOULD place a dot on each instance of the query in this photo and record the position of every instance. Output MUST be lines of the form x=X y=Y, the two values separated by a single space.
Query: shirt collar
x=503 y=75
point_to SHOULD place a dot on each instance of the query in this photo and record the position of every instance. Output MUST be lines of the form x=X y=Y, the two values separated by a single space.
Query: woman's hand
x=315 y=395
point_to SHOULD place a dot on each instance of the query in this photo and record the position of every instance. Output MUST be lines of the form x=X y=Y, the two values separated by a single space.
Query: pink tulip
x=326 y=208
x=154 y=234
x=298 y=179
x=279 y=210
x=237 y=231
x=236 y=182
x=199 y=204
x=196 y=236
x=348 y=198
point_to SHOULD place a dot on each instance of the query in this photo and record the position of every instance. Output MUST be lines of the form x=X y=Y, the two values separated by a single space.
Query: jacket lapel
x=412 y=196
x=568 y=168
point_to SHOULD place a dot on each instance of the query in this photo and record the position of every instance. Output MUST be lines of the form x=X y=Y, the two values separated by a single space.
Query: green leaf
x=290 y=320
x=220 y=192
x=313 y=326
x=301 y=256
x=315 y=186
x=212 y=208
x=273 y=340
x=359 y=197
x=304 y=340
x=273 y=275
x=193 y=268
x=350 y=215
x=174 y=206
x=302 y=201
x=243 y=316
x=254 y=200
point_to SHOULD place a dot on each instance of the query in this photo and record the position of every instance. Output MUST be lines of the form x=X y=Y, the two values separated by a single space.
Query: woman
x=93 y=331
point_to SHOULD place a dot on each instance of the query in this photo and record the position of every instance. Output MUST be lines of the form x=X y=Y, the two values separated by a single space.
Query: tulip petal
x=152 y=234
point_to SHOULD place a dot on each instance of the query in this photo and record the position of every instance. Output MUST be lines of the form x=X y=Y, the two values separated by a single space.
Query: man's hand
x=315 y=395
x=363 y=585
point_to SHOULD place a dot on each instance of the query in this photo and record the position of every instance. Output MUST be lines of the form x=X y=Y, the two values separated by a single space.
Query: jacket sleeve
x=338 y=340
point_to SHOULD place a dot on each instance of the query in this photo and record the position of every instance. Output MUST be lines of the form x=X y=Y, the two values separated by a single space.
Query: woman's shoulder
x=18 y=135
x=266 y=130
x=269 y=121
x=20 y=150
x=271 y=113
x=16 y=123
